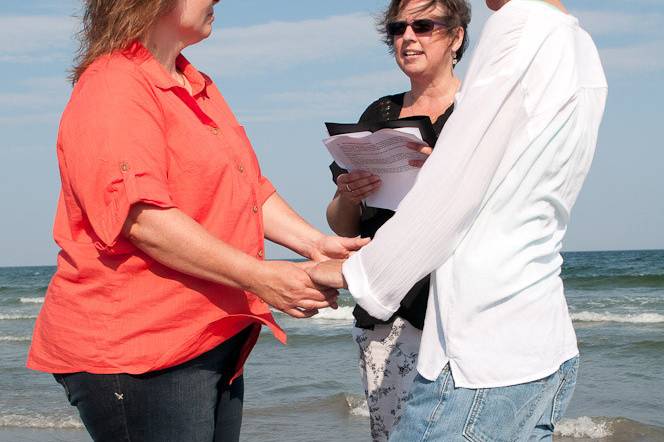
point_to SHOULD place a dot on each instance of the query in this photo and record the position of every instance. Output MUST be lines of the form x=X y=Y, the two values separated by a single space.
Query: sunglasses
x=419 y=26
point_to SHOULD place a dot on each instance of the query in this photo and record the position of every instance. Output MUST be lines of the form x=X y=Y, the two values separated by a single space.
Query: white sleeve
x=450 y=189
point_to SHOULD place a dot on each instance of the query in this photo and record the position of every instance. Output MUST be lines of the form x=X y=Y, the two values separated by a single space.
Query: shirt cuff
x=358 y=286
x=134 y=188
x=266 y=189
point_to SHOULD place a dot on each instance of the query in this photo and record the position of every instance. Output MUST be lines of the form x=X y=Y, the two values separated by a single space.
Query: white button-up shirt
x=490 y=207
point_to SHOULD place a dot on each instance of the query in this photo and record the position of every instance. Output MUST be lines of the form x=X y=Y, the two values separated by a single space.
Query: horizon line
x=302 y=258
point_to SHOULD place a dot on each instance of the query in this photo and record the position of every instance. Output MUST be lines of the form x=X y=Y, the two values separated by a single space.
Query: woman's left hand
x=336 y=247
x=327 y=274
x=423 y=149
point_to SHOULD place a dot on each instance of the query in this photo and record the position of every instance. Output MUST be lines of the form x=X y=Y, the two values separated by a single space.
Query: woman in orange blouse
x=161 y=287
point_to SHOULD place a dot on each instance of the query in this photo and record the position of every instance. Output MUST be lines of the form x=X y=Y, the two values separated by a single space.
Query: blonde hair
x=111 y=25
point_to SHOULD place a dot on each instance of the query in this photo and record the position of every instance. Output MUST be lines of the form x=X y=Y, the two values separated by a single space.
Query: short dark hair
x=459 y=14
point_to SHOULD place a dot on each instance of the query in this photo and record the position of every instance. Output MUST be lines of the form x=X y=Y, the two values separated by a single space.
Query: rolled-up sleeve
x=266 y=189
x=115 y=152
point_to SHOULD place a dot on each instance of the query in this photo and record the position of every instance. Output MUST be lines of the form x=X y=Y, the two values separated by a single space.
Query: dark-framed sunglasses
x=419 y=26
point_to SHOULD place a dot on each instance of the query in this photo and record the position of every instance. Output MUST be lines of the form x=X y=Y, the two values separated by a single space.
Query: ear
x=458 y=38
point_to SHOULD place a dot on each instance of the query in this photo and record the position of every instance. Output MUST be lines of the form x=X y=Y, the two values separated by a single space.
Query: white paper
x=383 y=153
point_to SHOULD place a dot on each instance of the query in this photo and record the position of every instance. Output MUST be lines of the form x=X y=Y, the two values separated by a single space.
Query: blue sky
x=285 y=68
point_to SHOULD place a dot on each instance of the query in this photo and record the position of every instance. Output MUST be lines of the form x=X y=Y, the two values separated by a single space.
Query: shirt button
x=124 y=166
x=255 y=209
x=214 y=130
x=240 y=168
x=260 y=253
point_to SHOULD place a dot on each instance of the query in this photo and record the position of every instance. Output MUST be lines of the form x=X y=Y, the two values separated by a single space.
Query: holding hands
x=287 y=287
x=335 y=247
x=292 y=289
x=328 y=274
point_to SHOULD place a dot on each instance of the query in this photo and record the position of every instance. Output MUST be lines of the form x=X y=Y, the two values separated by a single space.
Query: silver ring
x=348 y=188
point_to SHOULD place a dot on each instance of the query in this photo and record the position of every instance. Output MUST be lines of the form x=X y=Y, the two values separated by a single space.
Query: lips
x=411 y=53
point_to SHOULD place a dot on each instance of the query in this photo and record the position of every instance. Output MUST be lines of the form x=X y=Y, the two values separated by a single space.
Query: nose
x=409 y=34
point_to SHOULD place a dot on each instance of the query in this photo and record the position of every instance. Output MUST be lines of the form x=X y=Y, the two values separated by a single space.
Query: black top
x=414 y=304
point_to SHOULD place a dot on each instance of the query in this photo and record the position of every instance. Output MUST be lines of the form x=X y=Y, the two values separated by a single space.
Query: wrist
x=254 y=278
x=311 y=244
x=348 y=203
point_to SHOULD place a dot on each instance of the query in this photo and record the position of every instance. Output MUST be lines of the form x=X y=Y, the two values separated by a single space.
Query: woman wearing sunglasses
x=427 y=38
x=487 y=218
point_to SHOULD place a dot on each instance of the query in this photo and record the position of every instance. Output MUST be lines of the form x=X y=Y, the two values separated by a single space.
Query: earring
x=454 y=58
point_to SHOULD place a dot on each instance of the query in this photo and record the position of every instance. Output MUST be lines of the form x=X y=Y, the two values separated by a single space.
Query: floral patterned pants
x=388 y=361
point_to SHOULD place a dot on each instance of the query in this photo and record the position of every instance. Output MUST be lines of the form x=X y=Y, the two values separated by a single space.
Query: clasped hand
x=301 y=290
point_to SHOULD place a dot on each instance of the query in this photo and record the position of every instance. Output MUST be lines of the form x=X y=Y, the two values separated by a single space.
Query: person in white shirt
x=487 y=215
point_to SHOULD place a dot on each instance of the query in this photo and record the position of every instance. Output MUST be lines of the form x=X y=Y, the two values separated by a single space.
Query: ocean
x=310 y=390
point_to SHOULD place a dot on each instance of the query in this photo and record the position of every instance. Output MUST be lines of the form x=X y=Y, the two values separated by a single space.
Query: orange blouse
x=131 y=134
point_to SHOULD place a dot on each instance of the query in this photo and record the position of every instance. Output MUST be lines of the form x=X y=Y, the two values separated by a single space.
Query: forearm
x=343 y=217
x=175 y=240
x=285 y=227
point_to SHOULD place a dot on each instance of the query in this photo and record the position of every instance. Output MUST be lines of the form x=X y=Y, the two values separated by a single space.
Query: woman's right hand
x=355 y=186
x=288 y=288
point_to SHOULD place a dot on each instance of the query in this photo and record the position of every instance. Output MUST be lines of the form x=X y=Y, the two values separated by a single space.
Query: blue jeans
x=191 y=402
x=437 y=411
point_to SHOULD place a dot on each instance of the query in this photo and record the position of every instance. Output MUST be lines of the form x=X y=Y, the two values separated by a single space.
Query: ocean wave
x=576 y=428
x=304 y=339
x=16 y=317
x=23 y=288
x=641 y=318
x=357 y=405
x=340 y=314
x=604 y=428
x=40 y=421
x=39 y=300
x=614 y=281
x=15 y=338
x=326 y=314
x=584 y=427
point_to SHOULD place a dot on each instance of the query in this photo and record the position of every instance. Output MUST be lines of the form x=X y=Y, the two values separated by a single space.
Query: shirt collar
x=159 y=76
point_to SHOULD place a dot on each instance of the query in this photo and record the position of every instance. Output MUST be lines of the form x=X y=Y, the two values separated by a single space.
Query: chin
x=202 y=35
x=495 y=5
x=412 y=71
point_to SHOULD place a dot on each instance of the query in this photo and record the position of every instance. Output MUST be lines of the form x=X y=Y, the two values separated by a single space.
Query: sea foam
x=584 y=427
x=15 y=338
x=357 y=405
x=32 y=300
x=641 y=318
x=581 y=427
x=40 y=421
x=346 y=314
x=16 y=317
x=340 y=314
